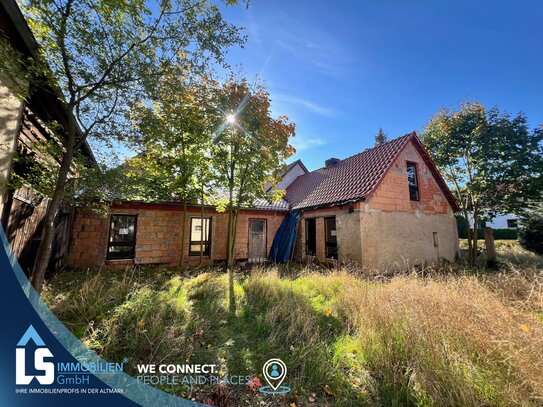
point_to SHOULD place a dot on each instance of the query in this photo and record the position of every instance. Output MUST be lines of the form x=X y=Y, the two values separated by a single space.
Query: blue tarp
x=283 y=242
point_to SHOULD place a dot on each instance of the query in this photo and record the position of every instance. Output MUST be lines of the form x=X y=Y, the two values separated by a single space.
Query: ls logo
x=40 y=354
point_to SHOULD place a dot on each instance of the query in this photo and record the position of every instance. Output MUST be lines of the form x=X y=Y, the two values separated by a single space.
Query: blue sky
x=341 y=70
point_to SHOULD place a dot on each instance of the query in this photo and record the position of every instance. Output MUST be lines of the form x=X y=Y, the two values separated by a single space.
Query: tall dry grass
x=435 y=337
x=446 y=342
x=413 y=340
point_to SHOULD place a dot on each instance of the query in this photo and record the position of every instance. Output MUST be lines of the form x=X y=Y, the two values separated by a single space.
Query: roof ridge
x=350 y=179
x=406 y=136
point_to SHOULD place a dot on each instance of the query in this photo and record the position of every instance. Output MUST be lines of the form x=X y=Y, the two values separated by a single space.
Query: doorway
x=257 y=240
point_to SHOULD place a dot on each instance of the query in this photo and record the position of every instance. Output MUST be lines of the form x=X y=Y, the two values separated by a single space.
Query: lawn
x=438 y=337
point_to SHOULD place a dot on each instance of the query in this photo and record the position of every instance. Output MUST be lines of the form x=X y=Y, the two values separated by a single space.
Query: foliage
x=492 y=162
x=173 y=134
x=450 y=337
x=249 y=148
x=499 y=233
x=505 y=233
x=531 y=230
x=105 y=55
x=252 y=149
x=381 y=137
x=12 y=65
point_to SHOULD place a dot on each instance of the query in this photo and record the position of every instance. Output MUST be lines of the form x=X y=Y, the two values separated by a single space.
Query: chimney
x=331 y=162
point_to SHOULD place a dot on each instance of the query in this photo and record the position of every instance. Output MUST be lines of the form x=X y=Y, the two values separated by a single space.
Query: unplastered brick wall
x=158 y=234
x=89 y=239
x=219 y=232
x=393 y=192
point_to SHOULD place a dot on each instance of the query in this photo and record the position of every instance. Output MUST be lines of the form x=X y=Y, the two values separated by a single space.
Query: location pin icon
x=274 y=371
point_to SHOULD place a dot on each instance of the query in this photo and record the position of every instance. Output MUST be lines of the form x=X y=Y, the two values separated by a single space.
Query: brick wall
x=393 y=192
x=158 y=234
x=388 y=229
x=397 y=232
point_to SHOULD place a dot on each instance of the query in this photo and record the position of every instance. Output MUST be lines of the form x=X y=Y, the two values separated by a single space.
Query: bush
x=531 y=231
x=505 y=234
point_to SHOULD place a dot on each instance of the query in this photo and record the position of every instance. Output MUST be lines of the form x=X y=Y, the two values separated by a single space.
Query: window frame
x=510 y=222
x=314 y=237
x=206 y=243
x=122 y=244
x=327 y=243
x=416 y=188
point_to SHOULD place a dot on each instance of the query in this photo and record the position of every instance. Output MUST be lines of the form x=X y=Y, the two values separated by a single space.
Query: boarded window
x=330 y=237
x=412 y=178
x=311 y=237
x=200 y=237
x=122 y=237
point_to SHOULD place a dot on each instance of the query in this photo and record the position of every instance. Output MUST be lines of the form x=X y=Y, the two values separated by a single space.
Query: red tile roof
x=354 y=178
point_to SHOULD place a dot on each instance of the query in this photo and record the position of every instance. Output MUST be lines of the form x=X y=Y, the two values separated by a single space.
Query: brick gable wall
x=392 y=194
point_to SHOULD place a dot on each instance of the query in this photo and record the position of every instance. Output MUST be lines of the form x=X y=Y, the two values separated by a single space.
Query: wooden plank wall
x=24 y=224
x=25 y=228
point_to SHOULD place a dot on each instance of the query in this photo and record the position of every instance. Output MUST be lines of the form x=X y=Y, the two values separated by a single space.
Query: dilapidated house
x=387 y=206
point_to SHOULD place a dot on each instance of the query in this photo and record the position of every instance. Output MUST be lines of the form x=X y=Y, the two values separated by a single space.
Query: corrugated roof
x=263 y=204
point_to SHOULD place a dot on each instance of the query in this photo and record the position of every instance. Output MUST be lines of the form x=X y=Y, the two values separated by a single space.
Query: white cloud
x=306 y=104
x=302 y=143
x=317 y=47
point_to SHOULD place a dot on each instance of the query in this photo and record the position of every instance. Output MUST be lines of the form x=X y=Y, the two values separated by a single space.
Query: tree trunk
x=229 y=239
x=48 y=234
x=475 y=232
x=231 y=263
x=468 y=235
x=202 y=225
x=183 y=235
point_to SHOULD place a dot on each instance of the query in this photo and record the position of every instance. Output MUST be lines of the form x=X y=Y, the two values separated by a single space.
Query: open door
x=257 y=240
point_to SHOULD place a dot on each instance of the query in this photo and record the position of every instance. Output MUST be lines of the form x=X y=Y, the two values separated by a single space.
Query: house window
x=311 y=237
x=413 y=182
x=122 y=237
x=512 y=223
x=200 y=237
x=330 y=237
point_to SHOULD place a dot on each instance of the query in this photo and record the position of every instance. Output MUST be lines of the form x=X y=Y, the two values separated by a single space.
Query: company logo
x=40 y=353
x=274 y=371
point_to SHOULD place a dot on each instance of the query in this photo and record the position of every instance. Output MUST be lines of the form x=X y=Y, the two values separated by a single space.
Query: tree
x=531 y=230
x=105 y=54
x=380 y=137
x=174 y=135
x=249 y=149
x=492 y=162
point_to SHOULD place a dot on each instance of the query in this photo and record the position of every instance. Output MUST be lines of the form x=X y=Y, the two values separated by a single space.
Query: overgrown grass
x=461 y=338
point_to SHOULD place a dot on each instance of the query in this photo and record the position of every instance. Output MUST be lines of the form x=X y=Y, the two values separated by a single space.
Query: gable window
x=413 y=182
x=512 y=223
x=311 y=237
x=330 y=237
x=122 y=237
x=200 y=237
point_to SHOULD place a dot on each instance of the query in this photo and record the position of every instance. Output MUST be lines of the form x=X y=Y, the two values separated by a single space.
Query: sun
x=231 y=118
